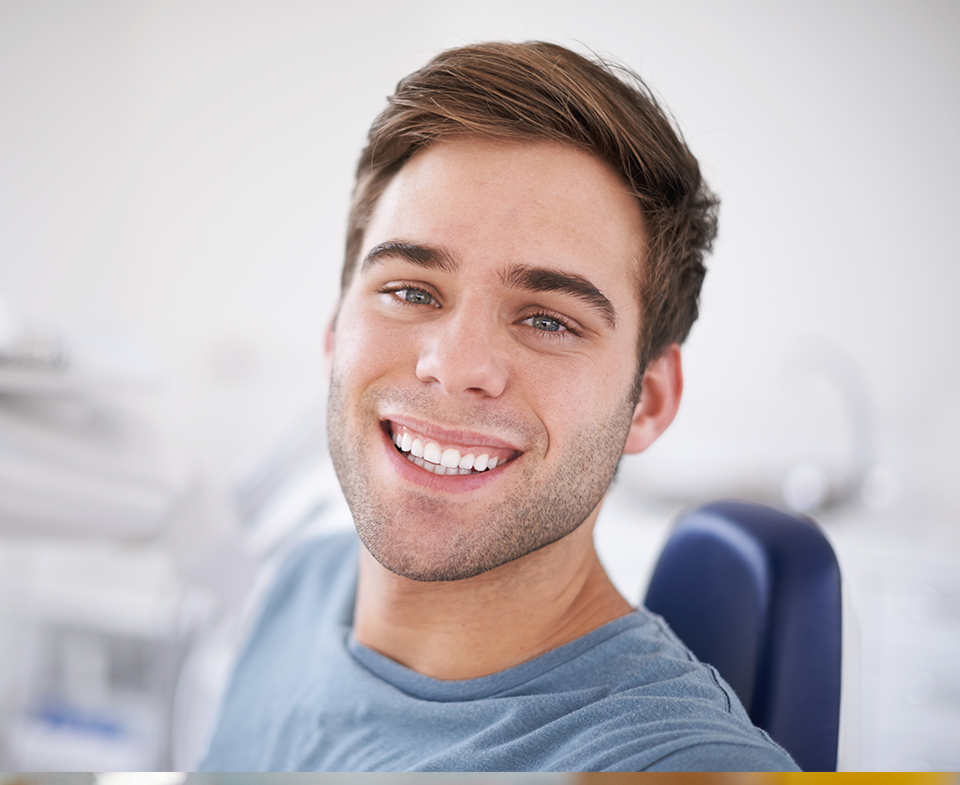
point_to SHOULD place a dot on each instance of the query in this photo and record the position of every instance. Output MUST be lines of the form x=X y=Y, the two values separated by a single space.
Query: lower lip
x=452 y=483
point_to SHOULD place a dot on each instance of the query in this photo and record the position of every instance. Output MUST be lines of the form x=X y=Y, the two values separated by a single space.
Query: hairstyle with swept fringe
x=538 y=91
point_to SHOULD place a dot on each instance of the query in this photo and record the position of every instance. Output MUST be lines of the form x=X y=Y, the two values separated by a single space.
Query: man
x=524 y=257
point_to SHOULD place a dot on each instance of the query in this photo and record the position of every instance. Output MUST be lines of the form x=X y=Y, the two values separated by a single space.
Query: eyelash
x=395 y=289
x=554 y=335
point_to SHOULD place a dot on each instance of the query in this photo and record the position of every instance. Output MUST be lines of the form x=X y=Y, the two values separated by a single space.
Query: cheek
x=366 y=347
x=573 y=389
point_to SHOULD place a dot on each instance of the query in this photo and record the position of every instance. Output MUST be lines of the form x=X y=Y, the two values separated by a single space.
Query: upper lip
x=450 y=435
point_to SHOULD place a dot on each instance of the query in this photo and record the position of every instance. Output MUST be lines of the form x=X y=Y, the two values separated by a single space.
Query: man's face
x=493 y=313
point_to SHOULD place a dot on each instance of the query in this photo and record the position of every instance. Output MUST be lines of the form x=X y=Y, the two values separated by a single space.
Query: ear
x=328 y=339
x=659 y=400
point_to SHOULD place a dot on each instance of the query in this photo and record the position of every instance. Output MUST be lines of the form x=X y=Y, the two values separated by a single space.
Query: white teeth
x=429 y=456
x=432 y=467
x=431 y=452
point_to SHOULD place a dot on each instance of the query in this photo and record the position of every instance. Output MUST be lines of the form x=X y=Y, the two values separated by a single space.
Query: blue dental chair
x=755 y=592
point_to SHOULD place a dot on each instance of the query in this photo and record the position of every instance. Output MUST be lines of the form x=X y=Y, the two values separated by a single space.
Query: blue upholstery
x=755 y=592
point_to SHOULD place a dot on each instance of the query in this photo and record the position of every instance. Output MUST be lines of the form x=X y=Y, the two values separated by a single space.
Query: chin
x=425 y=553
x=449 y=550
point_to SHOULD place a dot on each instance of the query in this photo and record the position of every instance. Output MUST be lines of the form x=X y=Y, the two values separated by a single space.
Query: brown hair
x=541 y=91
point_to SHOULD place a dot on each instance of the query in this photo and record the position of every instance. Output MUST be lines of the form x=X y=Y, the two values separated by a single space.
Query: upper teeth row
x=449 y=458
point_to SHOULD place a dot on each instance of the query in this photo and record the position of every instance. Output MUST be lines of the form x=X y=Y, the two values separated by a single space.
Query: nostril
x=461 y=370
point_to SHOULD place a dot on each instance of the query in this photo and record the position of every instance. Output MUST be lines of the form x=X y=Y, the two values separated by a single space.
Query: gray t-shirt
x=627 y=696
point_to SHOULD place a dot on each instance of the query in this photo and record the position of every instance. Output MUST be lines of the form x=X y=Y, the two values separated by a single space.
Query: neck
x=493 y=621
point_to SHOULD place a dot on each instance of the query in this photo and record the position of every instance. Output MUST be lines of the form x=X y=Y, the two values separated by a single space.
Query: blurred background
x=174 y=183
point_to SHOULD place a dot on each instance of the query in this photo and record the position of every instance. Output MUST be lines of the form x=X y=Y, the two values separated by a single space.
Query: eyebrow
x=520 y=276
x=539 y=279
x=428 y=256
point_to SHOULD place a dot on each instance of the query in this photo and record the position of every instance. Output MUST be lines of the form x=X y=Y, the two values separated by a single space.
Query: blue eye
x=416 y=296
x=546 y=324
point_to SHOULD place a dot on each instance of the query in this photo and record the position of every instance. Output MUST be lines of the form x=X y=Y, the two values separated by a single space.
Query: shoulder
x=657 y=707
x=308 y=605
x=318 y=560
x=725 y=756
x=639 y=653
x=314 y=583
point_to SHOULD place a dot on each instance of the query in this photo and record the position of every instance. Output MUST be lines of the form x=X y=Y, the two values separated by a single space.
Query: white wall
x=183 y=168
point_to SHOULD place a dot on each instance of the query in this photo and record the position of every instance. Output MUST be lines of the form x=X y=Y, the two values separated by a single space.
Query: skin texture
x=449 y=327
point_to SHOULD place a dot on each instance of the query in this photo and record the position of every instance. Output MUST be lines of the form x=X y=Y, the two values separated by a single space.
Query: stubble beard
x=428 y=538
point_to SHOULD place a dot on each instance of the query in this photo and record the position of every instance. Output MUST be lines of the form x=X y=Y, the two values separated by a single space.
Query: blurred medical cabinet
x=94 y=617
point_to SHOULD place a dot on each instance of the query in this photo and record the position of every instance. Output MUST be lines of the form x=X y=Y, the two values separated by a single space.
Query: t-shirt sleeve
x=721 y=756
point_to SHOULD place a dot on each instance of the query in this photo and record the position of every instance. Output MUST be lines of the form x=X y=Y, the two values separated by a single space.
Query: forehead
x=518 y=185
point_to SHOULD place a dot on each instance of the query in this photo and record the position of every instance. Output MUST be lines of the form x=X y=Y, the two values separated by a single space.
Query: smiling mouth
x=447 y=459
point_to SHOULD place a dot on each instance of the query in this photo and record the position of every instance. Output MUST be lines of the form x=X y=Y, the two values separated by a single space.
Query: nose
x=464 y=355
